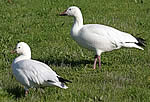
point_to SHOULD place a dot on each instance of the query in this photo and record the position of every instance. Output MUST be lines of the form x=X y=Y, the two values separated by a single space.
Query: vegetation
x=125 y=74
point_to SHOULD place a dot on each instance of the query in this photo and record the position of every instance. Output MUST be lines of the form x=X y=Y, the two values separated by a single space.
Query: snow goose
x=32 y=73
x=99 y=38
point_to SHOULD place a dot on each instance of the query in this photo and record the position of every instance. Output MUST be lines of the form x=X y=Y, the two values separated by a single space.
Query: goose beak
x=63 y=13
x=13 y=51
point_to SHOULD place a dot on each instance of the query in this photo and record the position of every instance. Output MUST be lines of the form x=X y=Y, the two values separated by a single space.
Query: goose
x=99 y=38
x=32 y=73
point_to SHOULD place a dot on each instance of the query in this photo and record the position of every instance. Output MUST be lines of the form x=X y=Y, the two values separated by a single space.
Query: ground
x=125 y=73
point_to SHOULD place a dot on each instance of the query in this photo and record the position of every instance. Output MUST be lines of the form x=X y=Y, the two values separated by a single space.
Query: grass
x=125 y=74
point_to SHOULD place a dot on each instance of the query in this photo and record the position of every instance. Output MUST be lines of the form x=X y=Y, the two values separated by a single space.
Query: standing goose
x=32 y=73
x=99 y=38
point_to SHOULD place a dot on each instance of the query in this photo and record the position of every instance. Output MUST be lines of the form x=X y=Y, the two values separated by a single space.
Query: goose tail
x=141 y=42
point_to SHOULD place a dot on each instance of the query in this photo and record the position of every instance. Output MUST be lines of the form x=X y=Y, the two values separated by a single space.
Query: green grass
x=125 y=74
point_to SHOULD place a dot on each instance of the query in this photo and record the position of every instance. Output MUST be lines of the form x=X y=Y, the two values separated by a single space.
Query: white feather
x=97 y=37
x=32 y=73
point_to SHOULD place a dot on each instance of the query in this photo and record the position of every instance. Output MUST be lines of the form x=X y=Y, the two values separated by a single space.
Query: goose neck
x=22 y=57
x=78 y=24
x=78 y=21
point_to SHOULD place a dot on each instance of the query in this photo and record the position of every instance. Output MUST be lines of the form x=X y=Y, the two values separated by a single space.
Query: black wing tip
x=141 y=41
x=50 y=81
x=63 y=80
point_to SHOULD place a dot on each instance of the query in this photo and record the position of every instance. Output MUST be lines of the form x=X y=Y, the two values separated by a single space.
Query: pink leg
x=26 y=92
x=95 y=60
x=99 y=59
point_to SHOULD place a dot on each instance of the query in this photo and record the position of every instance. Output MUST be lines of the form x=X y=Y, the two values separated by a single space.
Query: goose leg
x=99 y=60
x=26 y=91
x=95 y=60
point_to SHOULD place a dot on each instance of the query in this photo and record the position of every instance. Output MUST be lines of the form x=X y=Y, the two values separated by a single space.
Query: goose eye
x=70 y=9
x=19 y=47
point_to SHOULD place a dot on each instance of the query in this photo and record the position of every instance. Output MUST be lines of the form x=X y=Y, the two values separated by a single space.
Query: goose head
x=71 y=11
x=23 y=48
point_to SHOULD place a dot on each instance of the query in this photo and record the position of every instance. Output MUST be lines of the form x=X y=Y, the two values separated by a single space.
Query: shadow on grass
x=69 y=62
x=17 y=91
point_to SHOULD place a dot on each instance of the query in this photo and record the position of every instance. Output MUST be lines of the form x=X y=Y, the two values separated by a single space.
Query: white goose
x=32 y=73
x=97 y=37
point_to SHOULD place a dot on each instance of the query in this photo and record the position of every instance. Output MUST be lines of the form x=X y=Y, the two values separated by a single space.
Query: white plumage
x=32 y=73
x=99 y=38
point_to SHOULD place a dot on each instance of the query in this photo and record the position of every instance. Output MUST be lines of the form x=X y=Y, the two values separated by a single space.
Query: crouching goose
x=32 y=73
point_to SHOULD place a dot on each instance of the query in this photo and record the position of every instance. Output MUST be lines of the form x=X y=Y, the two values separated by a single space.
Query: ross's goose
x=99 y=38
x=32 y=73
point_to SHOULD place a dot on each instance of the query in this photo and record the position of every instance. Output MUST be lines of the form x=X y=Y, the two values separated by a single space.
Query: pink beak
x=13 y=51
x=63 y=13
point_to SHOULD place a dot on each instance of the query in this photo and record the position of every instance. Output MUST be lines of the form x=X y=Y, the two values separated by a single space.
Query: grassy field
x=125 y=74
